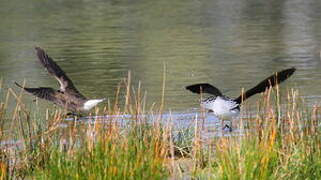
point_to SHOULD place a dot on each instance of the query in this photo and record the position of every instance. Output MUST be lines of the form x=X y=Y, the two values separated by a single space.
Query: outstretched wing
x=269 y=82
x=54 y=70
x=42 y=92
x=204 y=88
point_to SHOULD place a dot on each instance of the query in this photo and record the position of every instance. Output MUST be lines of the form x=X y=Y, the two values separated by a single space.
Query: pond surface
x=207 y=124
x=232 y=44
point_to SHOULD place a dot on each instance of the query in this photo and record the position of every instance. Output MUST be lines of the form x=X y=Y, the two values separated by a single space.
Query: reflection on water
x=232 y=44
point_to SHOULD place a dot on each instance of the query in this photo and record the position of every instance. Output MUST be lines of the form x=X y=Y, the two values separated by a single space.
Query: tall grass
x=282 y=141
x=136 y=156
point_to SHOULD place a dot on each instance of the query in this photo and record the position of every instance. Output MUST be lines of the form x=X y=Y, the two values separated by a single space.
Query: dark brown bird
x=67 y=96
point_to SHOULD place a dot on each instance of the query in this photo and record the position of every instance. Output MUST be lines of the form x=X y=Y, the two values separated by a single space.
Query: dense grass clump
x=110 y=157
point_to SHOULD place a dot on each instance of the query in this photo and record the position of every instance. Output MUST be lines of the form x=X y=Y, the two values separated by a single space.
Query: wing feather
x=269 y=82
x=54 y=70
x=205 y=88
x=42 y=92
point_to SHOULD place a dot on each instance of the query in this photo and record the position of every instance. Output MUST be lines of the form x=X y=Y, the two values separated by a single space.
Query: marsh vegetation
x=281 y=140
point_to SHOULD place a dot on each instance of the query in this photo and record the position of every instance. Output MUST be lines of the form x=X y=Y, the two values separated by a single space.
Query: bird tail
x=92 y=103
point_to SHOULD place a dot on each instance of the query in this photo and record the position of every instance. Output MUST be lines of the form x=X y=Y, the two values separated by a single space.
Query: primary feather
x=204 y=88
x=269 y=82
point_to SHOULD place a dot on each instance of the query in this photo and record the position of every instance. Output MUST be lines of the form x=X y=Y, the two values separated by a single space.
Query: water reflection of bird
x=67 y=96
x=227 y=108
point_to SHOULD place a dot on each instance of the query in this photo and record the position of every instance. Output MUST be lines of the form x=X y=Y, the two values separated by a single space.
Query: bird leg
x=71 y=114
x=229 y=127
x=74 y=115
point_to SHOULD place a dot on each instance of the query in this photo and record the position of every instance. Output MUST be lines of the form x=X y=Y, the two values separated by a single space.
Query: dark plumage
x=67 y=96
x=269 y=82
x=204 y=88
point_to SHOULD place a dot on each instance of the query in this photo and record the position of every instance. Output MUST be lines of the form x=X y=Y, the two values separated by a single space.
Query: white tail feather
x=92 y=103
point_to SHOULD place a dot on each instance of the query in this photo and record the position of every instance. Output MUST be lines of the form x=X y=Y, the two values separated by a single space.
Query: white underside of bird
x=222 y=107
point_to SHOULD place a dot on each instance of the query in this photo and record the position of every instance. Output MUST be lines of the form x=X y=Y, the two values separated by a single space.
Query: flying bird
x=67 y=95
x=227 y=108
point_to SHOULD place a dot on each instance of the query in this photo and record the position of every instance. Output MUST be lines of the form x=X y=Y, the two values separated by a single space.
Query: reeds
x=282 y=141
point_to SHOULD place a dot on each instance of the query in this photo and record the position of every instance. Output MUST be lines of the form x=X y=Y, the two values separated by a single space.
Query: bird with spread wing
x=67 y=96
x=227 y=108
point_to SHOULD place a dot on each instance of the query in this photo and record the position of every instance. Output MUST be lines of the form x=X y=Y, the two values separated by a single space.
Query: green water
x=232 y=44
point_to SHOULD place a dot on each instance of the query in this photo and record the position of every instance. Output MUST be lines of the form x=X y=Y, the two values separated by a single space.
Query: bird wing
x=269 y=82
x=42 y=92
x=205 y=88
x=54 y=70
